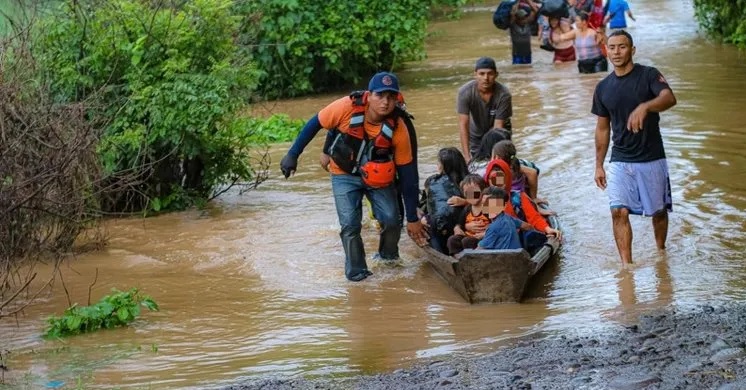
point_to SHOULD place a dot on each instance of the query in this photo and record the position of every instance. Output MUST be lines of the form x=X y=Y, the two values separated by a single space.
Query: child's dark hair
x=473 y=179
x=453 y=164
x=505 y=150
x=489 y=139
x=496 y=193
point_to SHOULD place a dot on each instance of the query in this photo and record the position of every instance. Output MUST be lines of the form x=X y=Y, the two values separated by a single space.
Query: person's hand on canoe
x=324 y=161
x=554 y=232
x=418 y=233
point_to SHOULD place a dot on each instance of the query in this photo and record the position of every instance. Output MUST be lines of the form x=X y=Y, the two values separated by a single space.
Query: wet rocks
x=699 y=348
x=633 y=359
x=448 y=373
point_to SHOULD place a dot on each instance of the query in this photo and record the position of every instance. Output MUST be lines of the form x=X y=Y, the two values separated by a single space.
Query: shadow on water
x=254 y=285
x=541 y=284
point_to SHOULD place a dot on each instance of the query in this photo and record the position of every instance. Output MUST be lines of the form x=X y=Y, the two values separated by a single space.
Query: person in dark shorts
x=627 y=103
x=587 y=46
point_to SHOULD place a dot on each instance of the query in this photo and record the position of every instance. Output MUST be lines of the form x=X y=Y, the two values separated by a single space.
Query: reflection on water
x=254 y=285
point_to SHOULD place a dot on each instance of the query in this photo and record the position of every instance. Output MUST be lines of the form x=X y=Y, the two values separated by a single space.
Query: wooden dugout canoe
x=492 y=276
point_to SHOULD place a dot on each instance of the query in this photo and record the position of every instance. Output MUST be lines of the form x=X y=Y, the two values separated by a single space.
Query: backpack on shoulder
x=555 y=8
x=501 y=17
x=443 y=217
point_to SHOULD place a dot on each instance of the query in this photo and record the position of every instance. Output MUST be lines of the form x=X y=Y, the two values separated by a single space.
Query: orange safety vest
x=355 y=154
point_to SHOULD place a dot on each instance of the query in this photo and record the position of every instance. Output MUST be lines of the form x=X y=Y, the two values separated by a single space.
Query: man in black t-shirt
x=627 y=103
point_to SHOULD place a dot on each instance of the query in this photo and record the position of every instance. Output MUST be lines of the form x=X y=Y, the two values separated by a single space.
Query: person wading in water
x=627 y=103
x=371 y=147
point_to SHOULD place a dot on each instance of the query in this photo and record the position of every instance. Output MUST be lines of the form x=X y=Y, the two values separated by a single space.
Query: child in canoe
x=472 y=222
x=503 y=230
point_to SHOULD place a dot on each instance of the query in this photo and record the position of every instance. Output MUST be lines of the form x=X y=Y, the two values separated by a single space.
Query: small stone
x=718 y=345
x=573 y=367
x=727 y=354
x=708 y=309
x=645 y=350
x=661 y=331
x=582 y=380
x=624 y=383
x=448 y=373
x=647 y=336
x=445 y=382
x=720 y=310
x=633 y=359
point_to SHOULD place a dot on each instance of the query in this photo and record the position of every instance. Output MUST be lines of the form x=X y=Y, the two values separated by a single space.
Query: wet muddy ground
x=689 y=348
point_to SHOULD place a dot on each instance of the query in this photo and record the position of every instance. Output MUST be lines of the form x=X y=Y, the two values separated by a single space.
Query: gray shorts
x=642 y=188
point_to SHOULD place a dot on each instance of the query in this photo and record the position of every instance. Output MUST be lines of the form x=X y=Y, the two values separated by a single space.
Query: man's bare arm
x=662 y=102
x=603 y=137
x=463 y=130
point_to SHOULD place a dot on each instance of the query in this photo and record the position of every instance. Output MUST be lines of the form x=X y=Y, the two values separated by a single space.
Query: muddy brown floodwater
x=254 y=285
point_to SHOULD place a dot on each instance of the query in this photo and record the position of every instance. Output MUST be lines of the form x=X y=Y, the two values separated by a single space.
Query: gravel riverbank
x=694 y=348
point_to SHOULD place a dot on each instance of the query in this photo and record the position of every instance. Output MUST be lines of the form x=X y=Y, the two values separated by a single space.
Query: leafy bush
x=168 y=78
x=277 y=128
x=118 y=309
x=307 y=46
x=726 y=19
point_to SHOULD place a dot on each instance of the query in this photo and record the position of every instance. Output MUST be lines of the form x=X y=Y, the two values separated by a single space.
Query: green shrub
x=725 y=19
x=308 y=46
x=118 y=309
x=277 y=128
x=168 y=78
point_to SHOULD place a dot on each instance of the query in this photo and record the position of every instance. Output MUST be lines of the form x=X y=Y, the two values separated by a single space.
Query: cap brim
x=385 y=90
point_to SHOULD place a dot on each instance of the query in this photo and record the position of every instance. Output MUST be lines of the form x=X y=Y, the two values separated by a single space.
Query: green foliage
x=7 y=15
x=277 y=128
x=118 y=309
x=307 y=46
x=725 y=19
x=168 y=78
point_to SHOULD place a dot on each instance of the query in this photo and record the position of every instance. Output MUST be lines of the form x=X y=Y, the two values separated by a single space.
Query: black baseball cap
x=485 y=63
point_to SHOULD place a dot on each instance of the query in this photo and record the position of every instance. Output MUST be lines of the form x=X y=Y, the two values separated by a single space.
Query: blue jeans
x=348 y=198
